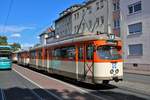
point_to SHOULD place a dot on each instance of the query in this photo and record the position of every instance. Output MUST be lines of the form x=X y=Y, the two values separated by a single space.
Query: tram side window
x=89 y=52
x=66 y=52
x=56 y=53
x=40 y=54
x=71 y=52
x=80 y=54
x=45 y=53
x=33 y=54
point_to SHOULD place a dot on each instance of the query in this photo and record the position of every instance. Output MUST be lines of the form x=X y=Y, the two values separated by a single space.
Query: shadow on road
x=16 y=93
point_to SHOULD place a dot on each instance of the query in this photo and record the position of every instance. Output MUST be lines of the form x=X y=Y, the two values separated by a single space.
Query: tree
x=3 y=40
x=16 y=46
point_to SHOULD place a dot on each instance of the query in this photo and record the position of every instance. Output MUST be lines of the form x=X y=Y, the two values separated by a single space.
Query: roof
x=79 y=38
x=48 y=30
x=5 y=46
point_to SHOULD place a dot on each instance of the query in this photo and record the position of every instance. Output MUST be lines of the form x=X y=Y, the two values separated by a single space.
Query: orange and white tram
x=23 y=58
x=90 y=58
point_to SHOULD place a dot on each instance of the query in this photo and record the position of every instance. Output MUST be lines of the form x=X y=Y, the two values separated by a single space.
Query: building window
x=116 y=6
x=78 y=15
x=89 y=9
x=117 y=23
x=97 y=22
x=74 y=16
x=101 y=4
x=83 y=12
x=97 y=6
x=75 y=29
x=83 y=27
x=136 y=7
x=136 y=50
x=102 y=19
x=90 y=24
x=135 y=28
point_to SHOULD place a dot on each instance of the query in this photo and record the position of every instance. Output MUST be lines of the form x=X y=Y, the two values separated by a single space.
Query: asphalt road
x=15 y=86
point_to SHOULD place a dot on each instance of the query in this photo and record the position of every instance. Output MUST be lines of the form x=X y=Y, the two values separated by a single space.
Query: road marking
x=40 y=98
x=3 y=96
x=77 y=88
x=38 y=85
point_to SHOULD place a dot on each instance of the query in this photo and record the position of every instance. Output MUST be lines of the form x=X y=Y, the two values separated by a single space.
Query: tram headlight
x=117 y=71
x=111 y=71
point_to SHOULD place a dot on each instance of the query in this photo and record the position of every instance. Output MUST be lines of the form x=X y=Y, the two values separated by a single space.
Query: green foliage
x=3 y=40
x=16 y=46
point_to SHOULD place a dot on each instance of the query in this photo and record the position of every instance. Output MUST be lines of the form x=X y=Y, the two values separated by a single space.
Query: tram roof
x=80 y=38
x=5 y=46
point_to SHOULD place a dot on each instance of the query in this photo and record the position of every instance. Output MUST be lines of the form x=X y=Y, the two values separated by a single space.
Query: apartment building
x=135 y=22
x=90 y=16
x=63 y=25
x=94 y=16
x=47 y=36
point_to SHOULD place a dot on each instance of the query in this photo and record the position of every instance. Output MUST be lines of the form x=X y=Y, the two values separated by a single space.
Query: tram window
x=89 y=52
x=71 y=52
x=45 y=53
x=56 y=53
x=32 y=54
x=68 y=52
x=80 y=54
x=40 y=54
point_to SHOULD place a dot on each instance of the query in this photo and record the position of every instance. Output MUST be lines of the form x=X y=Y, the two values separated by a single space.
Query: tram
x=5 y=57
x=88 y=58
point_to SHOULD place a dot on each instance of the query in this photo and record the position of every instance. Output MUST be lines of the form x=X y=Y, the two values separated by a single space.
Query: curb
x=138 y=73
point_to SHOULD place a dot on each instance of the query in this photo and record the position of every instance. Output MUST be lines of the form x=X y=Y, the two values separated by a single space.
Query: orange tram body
x=90 y=58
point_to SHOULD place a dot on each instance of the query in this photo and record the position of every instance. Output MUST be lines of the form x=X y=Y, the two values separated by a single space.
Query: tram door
x=80 y=63
x=85 y=64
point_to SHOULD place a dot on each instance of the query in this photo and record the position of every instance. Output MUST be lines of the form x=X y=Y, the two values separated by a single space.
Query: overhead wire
x=8 y=14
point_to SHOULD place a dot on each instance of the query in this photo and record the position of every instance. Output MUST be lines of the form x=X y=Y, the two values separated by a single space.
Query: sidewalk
x=141 y=72
x=134 y=87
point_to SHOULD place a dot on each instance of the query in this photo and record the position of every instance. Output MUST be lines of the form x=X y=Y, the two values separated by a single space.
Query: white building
x=46 y=35
x=91 y=16
x=63 y=25
x=94 y=16
x=135 y=18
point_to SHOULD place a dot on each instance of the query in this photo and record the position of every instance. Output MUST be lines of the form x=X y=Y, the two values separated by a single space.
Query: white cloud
x=14 y=28
x=38 y=37
x=27 y=45
x=16 y=35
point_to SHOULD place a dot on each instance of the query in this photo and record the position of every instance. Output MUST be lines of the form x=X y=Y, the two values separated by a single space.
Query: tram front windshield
x=109 y=52
x=4 y=55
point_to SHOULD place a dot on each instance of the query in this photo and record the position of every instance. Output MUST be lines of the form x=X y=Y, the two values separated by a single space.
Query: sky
x=28 y=18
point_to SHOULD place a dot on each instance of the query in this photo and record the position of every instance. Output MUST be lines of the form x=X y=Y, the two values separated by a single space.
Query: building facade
x=46 y=36
x=63 y=25
x=135 y=22
x=91 y=16
x=94 y=16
